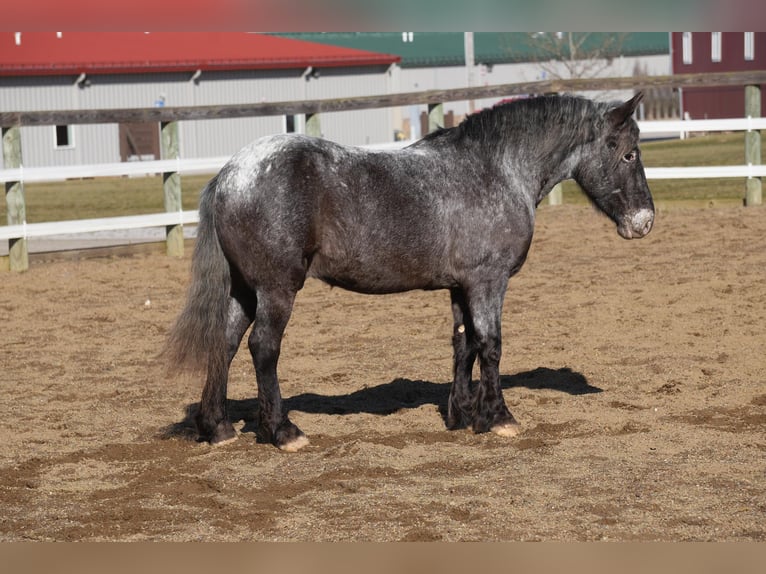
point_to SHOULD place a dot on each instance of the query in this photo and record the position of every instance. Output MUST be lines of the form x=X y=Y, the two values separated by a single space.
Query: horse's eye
x=630 y=157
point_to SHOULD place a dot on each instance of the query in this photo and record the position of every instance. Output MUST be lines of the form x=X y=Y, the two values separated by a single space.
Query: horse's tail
x=198 y=337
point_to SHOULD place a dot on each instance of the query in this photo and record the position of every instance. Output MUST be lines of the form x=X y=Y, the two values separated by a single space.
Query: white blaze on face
x=637 y=225
x=642 y=221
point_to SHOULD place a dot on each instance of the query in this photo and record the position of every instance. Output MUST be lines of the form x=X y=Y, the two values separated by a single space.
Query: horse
x=454 y=210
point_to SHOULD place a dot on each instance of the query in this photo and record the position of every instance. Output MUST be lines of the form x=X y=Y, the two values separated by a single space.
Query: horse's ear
x=619 y=115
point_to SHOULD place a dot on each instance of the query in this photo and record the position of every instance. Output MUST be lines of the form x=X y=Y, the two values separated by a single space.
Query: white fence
x=681 y=127
x=211 y=165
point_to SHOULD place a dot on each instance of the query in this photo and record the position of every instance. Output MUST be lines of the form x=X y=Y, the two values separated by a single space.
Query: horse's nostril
x=642 y=222
x=647 y=226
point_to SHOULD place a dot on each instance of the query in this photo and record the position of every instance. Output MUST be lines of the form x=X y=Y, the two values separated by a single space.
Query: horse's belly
x=378 y=276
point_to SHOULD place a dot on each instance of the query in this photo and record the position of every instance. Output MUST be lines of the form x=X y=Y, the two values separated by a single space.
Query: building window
x=289 y=124
x=715 y=46
x=687 y=48
x=749 y=46
x=63 y=137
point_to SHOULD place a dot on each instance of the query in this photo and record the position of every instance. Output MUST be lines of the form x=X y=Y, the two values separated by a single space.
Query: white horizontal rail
x=705 y=172
x=211 y=165
x=135 y=168
x=190 y=217
x=724 y=125
x=46 y=229
x=61 y=173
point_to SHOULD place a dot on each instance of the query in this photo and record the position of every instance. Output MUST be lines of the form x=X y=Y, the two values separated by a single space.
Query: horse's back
x=352 y=217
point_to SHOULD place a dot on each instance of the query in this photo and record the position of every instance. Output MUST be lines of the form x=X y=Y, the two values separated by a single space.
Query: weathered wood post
x=18 y=257
x=435 y=117
x=313 y=127
x=753 y=191
x=171 y=183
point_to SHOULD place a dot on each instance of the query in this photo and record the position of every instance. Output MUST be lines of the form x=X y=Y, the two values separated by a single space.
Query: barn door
x=139 y=141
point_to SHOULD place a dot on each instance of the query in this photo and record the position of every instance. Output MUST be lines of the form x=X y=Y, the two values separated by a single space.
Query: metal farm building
x=700 y=52
x=70 y=71
x=436 y=60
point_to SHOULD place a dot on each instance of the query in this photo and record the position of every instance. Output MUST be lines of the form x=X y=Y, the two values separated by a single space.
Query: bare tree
x=563 y=55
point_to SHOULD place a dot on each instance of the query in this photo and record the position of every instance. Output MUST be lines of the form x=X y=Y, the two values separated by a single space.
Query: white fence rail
x=47 y=229
x=128 y=168
x=682 y=126
x=211 y=165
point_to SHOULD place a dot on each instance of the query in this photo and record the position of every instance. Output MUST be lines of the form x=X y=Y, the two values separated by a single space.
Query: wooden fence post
x=435 y=117
x=313 y=127
x=753 y=191
x=171 y=183
x=556 y=196
x=18 y=257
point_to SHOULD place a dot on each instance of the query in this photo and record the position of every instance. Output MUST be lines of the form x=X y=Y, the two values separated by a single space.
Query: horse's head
x=612 y=175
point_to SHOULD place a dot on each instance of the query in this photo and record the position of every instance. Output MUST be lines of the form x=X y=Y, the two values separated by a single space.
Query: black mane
x=572 y=116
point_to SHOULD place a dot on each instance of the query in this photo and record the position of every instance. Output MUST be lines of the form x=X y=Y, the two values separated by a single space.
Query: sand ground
x=636 y=369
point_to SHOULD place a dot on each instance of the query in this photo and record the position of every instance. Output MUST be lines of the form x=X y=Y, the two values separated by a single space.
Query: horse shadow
x=384 y=399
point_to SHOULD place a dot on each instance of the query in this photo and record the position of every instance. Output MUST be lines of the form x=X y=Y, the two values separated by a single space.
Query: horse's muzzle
x=638 y=225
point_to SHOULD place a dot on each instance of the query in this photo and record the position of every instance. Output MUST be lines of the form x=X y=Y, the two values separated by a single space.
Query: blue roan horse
x=455 y=210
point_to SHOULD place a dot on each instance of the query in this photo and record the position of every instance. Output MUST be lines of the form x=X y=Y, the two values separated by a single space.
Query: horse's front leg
x=271 y=317
x=490 y=412
x=461 y=399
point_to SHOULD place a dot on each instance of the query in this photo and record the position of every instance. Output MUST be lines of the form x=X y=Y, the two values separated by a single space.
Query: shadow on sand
x=384 y=399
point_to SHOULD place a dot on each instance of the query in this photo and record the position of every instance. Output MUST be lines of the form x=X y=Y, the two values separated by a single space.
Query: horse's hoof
x=222 y=434
x=506 y=429
x=289 y=437
x=223 y=441
x=295 y=444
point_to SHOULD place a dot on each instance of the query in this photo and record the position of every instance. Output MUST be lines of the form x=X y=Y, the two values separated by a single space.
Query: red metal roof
x=50 y=53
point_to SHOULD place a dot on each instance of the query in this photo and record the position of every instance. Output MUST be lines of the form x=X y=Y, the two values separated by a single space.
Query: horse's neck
x=548 y=161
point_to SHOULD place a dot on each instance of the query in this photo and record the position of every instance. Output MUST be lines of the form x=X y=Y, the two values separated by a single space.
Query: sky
x=388 y=15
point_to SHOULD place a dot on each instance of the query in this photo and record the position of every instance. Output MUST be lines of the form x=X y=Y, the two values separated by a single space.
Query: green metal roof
x=447 y=48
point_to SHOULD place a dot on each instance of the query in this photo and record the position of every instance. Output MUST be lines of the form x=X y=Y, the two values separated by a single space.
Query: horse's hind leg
x=212 y=421
x=271 y=317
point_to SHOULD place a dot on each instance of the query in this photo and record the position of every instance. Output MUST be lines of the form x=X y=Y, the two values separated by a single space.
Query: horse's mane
x=572 y=117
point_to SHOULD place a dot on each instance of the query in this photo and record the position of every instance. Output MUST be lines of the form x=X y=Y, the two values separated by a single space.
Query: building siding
x=206 y=138
x=445 y=77
x=723 y=102
x=214 y=138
